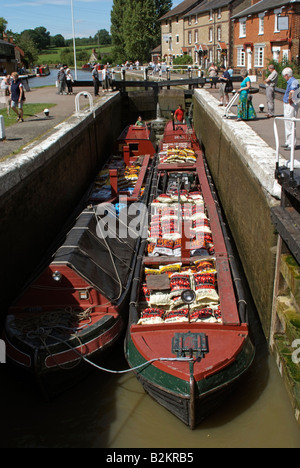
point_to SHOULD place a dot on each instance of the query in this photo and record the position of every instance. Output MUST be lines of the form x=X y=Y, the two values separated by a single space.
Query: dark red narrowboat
x=77 y=307
x=135 y=140
x=188 y=339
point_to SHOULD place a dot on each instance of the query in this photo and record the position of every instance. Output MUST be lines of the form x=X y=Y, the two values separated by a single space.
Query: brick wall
x=274 y=44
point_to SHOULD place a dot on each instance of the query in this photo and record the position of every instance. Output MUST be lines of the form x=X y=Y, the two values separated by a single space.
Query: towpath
x=262 y=125
x=38 y=126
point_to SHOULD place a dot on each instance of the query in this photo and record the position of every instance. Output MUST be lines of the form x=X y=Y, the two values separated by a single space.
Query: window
x=219 y=33
x=210 y=34
x=196 y=36
x=219 y=13
x=190 y=37
x=196 y=19
x=177 y=19
x=261 y=27
x=240 y=57
x=190 y=20
x=277 y=13
x=177 y=38
x=243 y=29
x=259 y=53
x=210 y=15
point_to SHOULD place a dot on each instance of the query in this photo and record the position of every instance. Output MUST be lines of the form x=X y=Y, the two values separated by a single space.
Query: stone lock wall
x=41 y=187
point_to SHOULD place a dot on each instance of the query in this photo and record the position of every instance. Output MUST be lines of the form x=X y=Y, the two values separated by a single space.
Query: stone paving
x=262 y=125
x=37 y=126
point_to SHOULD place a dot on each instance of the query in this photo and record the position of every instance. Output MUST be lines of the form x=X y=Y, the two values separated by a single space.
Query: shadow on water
x=80 y=417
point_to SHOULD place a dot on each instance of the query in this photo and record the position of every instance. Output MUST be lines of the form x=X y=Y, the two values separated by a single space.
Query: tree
x=40 y=36
x=26 y=43
x=57 y=41
x=103 y=37
x=3 y=24
x=139 y=29
x=135 y=27
x=117 y=30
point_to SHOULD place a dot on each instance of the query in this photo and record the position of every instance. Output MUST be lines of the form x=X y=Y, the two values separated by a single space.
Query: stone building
x=202 y=29
x=208 y=31
x=8 y=60
x=172 y=30
x=268 y=30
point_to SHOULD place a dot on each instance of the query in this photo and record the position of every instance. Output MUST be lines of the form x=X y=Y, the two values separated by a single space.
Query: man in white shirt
x=290 y=108
x=271 y=83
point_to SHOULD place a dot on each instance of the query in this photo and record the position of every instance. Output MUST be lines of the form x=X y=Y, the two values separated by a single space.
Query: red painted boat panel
x=154 y=341
x=135 y=141
x=87 y=349
x=47 y=294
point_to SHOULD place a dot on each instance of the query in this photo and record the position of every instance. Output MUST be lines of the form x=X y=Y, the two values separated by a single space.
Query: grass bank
x=29 y=110
x=57 y=55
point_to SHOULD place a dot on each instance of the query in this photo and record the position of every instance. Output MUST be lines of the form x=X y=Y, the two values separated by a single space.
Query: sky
x=56 y=16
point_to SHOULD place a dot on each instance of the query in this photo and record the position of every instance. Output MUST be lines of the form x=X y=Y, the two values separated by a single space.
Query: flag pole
x=74 y=46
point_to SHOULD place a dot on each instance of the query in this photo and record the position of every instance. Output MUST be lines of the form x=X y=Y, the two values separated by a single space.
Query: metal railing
x=86 y=95
x=292 y=160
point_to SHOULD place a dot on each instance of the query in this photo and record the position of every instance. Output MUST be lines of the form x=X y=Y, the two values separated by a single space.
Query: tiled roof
x=182 y=8
x=264 y=5
x=208 y=5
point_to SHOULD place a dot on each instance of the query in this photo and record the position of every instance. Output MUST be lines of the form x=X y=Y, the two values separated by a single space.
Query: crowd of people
x=245 y=108
x=101 y=77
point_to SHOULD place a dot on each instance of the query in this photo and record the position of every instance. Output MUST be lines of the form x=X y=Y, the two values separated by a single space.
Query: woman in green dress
x=245 y=107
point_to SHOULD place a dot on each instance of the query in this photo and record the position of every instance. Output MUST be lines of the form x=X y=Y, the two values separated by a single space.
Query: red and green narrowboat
x=188 y=339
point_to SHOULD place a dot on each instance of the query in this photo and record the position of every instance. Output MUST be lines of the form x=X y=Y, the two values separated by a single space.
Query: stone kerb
x=255 y=152
x=34 y=155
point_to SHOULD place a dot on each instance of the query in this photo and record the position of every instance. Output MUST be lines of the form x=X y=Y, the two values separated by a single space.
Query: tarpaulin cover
x=104 y=264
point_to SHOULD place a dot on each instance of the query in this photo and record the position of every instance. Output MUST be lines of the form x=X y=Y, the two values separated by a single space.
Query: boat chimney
x=126 y=155
x=113 y=174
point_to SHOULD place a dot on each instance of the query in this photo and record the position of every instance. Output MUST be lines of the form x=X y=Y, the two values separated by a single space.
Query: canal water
x=112 y=411
x=82 y=75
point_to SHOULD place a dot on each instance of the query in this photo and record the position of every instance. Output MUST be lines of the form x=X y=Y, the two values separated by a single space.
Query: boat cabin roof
x=138 y=140
x=178 y=134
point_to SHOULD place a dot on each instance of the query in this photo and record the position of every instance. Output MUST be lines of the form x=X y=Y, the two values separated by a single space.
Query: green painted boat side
x=173 y=384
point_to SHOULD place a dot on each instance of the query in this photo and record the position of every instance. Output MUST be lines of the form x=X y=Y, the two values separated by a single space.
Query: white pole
x=2 y=129
x=74 y=46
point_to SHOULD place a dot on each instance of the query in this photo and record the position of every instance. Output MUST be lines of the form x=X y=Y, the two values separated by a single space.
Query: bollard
x=2 y=128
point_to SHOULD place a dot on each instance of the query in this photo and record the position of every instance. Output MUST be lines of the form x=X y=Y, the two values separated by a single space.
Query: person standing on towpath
x=17 y=96
x=290 y=108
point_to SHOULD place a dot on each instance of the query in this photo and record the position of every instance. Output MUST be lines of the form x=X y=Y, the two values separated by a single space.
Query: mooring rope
x=137 y=367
